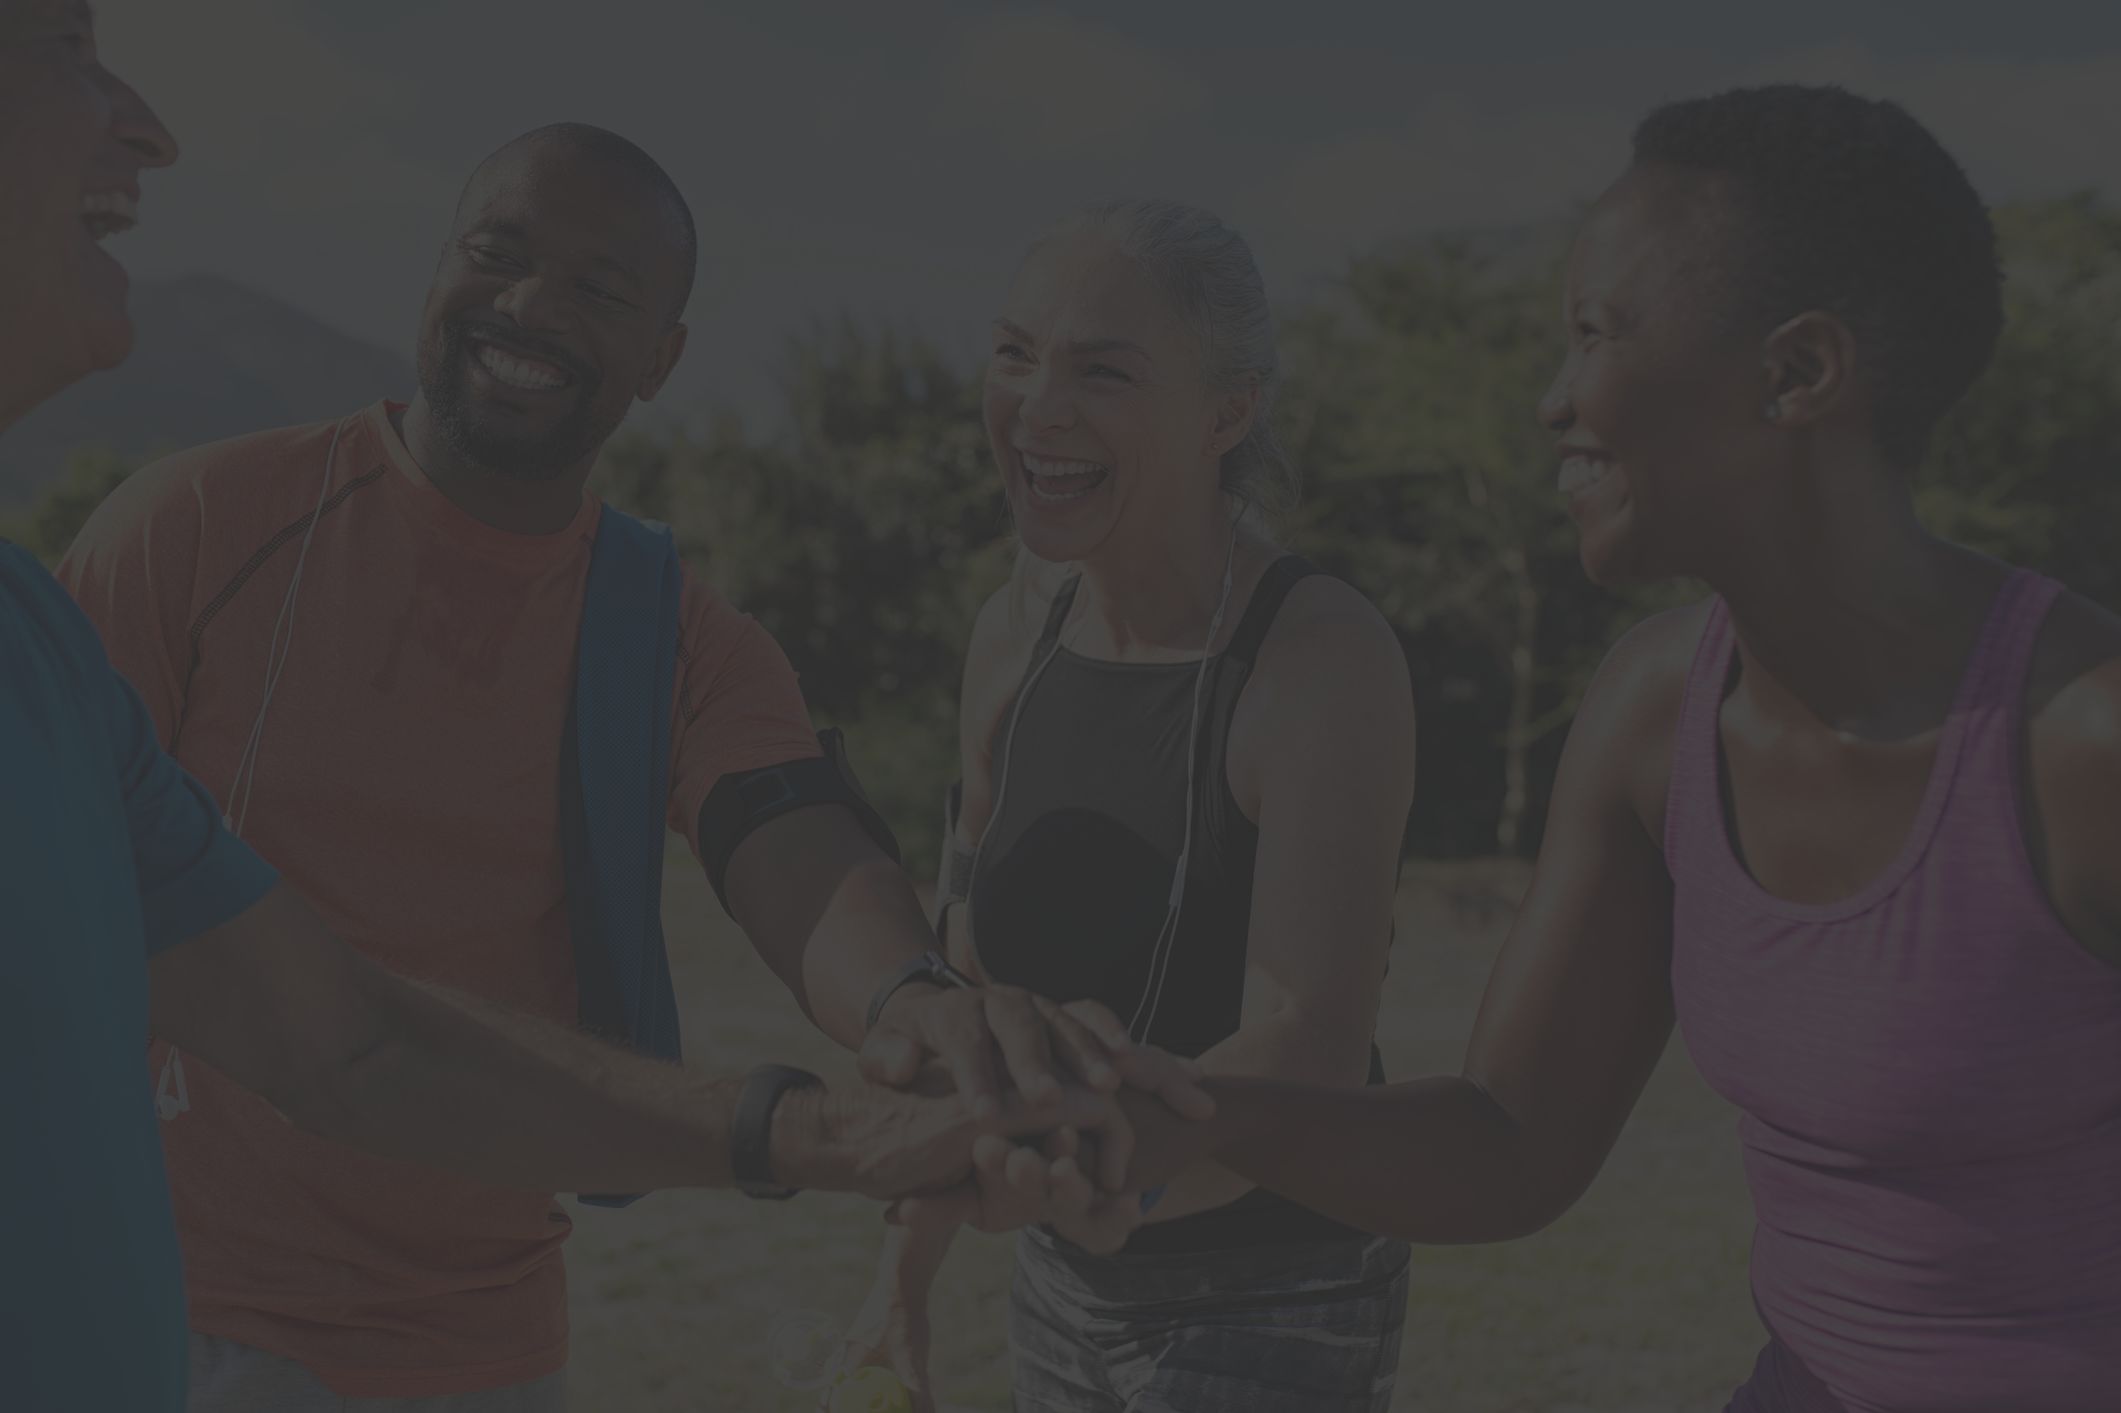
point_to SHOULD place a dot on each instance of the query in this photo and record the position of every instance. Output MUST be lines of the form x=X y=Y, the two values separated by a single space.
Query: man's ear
x=667 y=354
x=1811 y=369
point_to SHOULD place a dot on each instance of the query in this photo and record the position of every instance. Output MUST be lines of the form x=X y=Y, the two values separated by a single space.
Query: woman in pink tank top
x=1854 y=823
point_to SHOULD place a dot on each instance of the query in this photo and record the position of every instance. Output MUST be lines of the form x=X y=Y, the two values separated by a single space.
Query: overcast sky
x=893 y=158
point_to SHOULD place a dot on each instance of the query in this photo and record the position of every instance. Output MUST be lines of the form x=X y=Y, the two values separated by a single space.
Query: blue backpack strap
x=614 y=785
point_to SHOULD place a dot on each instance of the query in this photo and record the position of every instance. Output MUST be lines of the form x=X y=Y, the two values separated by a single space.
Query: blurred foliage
x=47 y=528
x=867 y=533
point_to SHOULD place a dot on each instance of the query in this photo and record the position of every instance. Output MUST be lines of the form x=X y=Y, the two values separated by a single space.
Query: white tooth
x=1039 y=466
x=110 y=203
x=1580 y=471
x=517 y=374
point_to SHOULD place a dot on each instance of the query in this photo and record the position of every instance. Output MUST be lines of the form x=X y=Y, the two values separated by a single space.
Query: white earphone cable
x=172 y=1097
x=276 y=654
x=1166 y=935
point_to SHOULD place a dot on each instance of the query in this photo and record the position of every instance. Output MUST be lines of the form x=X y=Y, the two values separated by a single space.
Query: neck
x=511 y=503
x=1848 y=611
x=1160 y=595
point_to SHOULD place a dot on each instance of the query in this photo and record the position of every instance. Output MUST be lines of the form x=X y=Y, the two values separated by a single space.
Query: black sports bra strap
x=1056 y=615
x=1274 y=585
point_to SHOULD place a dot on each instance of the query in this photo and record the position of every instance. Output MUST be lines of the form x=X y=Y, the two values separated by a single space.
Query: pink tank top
x=1928 y=1076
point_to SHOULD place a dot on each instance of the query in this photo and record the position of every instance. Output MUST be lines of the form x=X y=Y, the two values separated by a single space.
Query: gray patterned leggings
x=1313 y=1328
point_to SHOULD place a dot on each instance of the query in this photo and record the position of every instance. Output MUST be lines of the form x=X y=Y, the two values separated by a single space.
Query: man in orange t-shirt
x=406 y=779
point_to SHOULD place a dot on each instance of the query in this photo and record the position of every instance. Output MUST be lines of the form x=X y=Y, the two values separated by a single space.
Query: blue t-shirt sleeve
x=193 y=875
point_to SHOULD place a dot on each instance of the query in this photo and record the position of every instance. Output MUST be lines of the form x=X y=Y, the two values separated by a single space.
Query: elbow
x=1528 y=1183
x=1530 y=1205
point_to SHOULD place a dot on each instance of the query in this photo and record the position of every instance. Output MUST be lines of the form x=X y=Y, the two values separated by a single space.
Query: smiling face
x=551 y=312
x=73 y=141
x=1657 y=411
x=1099 y=410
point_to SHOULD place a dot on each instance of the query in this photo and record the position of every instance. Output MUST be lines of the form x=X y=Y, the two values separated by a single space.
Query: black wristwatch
x=930 y=969
x=751 y=1131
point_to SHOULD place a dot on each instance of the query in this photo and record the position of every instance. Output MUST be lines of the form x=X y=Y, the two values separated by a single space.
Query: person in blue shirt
x=126 y=907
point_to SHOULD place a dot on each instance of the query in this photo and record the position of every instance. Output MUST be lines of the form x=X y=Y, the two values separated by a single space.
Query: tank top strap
x=2003 y=655
x=1267 y=597
x=1056 y=617
x=1694 y=797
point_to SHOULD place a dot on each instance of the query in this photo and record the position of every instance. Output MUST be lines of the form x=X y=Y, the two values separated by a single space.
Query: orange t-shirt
x=407 y=783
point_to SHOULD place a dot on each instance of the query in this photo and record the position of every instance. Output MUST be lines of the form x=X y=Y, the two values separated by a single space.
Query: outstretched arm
x=1577 y=1012
x=354 y=1053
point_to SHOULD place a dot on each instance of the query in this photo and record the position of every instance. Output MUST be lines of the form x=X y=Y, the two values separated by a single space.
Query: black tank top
x=1074 y=879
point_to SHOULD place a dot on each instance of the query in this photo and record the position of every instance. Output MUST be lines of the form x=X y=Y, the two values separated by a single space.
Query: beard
x=498 y=442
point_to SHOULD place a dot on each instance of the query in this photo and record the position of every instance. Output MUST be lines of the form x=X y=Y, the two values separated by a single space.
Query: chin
x=1619 y=562
x=113 y=344
x=1059 y=543
x=1612 y=558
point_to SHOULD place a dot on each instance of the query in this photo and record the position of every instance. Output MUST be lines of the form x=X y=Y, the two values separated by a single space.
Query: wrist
x=919 y=989
x=772 y=1138
x=799 y=1142
x=1238 y=1114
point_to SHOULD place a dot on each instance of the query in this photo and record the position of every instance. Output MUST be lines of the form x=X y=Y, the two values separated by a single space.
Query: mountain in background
x=212 y=359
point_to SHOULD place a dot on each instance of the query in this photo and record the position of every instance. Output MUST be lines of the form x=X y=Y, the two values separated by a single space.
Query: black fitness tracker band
x=751 y=1131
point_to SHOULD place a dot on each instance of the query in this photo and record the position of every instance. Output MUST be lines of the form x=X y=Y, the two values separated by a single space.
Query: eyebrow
x=517 y=231
x=1079 y=345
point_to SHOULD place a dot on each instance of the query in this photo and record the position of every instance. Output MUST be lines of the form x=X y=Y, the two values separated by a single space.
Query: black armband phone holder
x=744 y=800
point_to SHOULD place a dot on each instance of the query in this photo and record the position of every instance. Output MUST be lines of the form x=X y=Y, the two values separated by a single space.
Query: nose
x=532 y=303
x=1557 y=410
x=1046 y=406
x=136 y=125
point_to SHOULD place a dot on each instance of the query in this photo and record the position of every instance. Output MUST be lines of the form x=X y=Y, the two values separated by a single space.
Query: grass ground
x=1635 y=1301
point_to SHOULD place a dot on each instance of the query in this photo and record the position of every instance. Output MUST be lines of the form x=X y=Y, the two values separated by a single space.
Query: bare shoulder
x=1329 y=696
x=1329 y=648
x=2073 y=714
x=2073 y=694
x=2078 y=641
x=1628 y=720
x=1004 y=633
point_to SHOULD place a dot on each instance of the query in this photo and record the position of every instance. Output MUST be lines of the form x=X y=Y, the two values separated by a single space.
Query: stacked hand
x=995 y=1109
x=978 y=1069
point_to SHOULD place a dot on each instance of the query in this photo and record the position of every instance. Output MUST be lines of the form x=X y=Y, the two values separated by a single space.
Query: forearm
x=1279 y=1047
x=1432 y=1160
x=871 y=927
x=516 y=1101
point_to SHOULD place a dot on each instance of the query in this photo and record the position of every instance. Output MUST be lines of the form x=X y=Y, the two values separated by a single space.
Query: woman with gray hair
x=1187 y=764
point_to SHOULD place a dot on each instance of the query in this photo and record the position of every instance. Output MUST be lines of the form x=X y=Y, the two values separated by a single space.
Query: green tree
x=2028 y=466
x=1430 y=484
x=48 y=528
x=864 y=537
